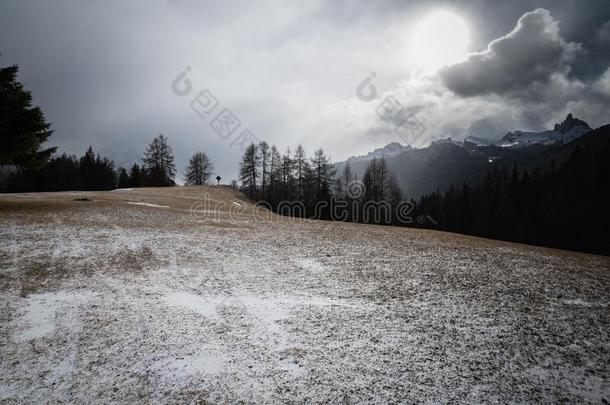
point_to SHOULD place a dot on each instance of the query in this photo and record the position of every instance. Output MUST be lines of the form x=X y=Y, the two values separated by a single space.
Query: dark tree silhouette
x=159 y=168
x=564 y=207
x=264 y=155
x=135 y=176
x=301 y=171
x=68 y=173
x=123 y=181
x=23 y=128
x=248 y=171
x=199 y=169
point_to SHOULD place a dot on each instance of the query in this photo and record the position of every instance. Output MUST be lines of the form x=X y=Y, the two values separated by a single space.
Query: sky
x=343 y=75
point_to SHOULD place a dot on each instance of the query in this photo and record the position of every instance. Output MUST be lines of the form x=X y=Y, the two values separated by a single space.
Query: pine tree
x=199 y=169
x=61 y=173
x=321 y=175
x=23 y=128
x=123 y=178
x=135 y=176
x=301 y=168
x=376 y=179
x=159 y=165
x=275 y=175
x=248 y=171
x=87 y=168
x=322 y=171
x=287 y=177
x=369 y=180
x=264 y=156
x=394 y=197
x=90 y=172
x=346 y=179
x=383 y=178
x=105 y=175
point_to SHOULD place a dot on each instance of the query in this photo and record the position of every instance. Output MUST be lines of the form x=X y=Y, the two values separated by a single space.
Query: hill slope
x=174 y=295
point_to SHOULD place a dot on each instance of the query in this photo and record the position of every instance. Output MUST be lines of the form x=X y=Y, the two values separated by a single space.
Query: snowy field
x=175 y=296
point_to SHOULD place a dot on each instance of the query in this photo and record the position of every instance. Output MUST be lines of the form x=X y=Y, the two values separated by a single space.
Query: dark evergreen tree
x=301 y=172
x=88 y=170
x=381 y=189
x=159 y=168
x=124 y=180
x=345 y=180
x=68 y=173
x=287 y=192
x=23 y=128
x=395 y=198
x=377 y=180
x=564 y=206
x=248 y=171
x=106 y=178
x=322 y=171
x=61 y=173
x=264 y=156
x=321 y=178
x=275 y=177
x=135 y=176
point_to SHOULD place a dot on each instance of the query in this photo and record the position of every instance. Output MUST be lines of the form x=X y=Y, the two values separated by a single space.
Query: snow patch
x=20 y=195
x=310 y=264
x=184 y=367
x=266 y=313
x=191 y=302
x=145 y=204
x=8 y=391
x=583 y=303
x=39 y=317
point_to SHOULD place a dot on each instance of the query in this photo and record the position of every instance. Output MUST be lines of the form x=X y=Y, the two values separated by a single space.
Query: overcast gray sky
x=289 y=70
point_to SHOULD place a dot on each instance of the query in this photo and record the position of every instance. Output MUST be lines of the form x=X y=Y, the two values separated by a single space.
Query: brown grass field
x=192 y=294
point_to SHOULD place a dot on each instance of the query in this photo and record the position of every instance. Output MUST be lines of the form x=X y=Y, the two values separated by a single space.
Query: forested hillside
x=564 y=206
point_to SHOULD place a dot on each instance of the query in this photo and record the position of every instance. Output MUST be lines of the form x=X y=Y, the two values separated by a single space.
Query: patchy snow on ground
x=145 y=204
x=180 y=368
x=106 y=302
x=310 y=264
x=41 y=313
x=191 y=302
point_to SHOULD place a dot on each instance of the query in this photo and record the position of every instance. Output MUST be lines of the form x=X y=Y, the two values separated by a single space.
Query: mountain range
x=447 y=162
x=568 y=130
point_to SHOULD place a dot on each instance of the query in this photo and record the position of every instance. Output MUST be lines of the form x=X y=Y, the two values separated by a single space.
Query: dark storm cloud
x=538 y=71
x=530 y=54
x=101 y=70
x=603 y=33
x=580 y=21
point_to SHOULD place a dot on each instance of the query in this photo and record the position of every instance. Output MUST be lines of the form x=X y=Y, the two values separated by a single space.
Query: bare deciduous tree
x=199 y=169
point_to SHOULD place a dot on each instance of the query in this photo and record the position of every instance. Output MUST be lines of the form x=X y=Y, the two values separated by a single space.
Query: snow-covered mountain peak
x=390 y=150
x=564 y=132
x=448 y=140
x=476 y=141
